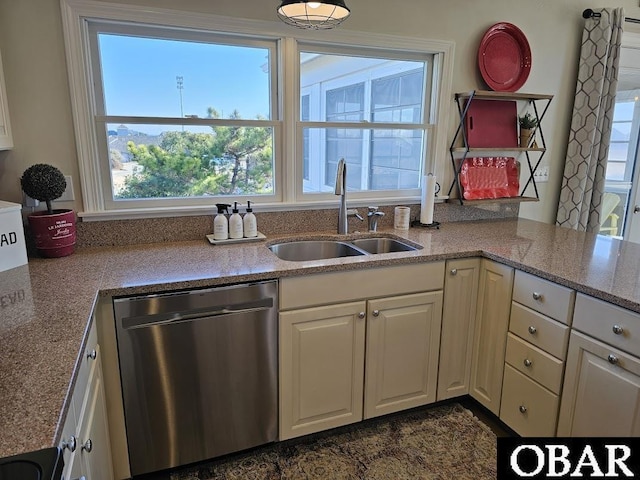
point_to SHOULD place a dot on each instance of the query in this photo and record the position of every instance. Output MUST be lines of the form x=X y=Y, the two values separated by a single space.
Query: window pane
x=345 y=82
x=396 y=156
x=185 y=161
x=397 y=98
x=620 y=131
x=157 y=77
x=376 y=159
x=346 y=103
x=623 y=111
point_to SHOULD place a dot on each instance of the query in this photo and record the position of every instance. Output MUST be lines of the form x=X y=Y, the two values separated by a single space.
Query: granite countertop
x=46 y=306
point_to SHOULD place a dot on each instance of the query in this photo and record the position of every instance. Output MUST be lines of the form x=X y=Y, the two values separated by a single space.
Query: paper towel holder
x=417 y=223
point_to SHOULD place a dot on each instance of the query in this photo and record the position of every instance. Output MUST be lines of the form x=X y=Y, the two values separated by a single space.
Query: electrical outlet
x=542 y=174
x=67 y=195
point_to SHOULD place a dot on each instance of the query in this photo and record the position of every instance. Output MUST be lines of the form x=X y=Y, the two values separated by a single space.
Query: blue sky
x=140 y=78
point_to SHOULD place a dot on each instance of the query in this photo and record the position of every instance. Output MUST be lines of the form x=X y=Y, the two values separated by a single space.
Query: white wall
x=37 y=86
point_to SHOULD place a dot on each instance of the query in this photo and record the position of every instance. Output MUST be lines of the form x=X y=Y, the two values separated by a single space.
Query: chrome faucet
x=341 y=189
x=373 y=216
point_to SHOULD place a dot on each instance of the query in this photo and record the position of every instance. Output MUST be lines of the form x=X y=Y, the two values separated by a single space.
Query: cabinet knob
x=612 y=359
x=527 y=362
x=532 y=329
x=69 y=444
x=362 y=315
x=92 y=354
x=88 y=446
x=376 y=313
x=522 y=409
x=537 y=296
x=454 y=271
x=618 y=330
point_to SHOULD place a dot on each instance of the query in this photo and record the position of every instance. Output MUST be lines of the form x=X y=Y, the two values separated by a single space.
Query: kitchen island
x=47 y=305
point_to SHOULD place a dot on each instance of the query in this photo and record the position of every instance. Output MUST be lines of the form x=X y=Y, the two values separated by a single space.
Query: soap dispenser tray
x=229 y=241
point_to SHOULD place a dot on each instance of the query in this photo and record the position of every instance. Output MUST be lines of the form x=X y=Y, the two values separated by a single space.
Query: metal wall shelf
x=459 y=152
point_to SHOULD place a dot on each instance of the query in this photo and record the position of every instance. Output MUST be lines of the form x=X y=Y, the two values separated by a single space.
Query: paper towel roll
x=427 y=199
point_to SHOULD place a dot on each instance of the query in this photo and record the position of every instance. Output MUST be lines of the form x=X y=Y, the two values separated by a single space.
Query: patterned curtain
x=586 y=164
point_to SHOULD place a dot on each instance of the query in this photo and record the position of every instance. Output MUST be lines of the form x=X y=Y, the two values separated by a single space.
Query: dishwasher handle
x=167 y=318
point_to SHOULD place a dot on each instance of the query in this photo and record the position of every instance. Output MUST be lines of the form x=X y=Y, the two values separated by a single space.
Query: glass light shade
x=313 y=15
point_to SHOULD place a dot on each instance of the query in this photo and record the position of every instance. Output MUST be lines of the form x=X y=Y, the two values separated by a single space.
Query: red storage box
x=492 y=124
x=489 y=177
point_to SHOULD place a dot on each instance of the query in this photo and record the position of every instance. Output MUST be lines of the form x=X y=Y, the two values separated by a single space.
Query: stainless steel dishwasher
x=199 y=373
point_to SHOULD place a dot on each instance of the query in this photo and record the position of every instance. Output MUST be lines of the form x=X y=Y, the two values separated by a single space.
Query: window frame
x=288 y=163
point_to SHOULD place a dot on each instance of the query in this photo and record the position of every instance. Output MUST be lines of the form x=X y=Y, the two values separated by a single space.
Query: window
x=191 y=120
x=383 y=91
x=175 y=110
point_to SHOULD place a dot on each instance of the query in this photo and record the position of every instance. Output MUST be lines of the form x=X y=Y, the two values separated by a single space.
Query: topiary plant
x=44 y=183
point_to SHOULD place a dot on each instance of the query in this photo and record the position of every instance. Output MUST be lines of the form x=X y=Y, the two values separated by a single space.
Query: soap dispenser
x=235 y=223
x=220 y=222
x=249 y=222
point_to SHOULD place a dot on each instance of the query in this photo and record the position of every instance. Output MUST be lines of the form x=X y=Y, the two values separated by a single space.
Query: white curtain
x=586 y=164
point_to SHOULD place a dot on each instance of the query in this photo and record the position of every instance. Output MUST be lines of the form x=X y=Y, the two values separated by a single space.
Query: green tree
x=229 y=160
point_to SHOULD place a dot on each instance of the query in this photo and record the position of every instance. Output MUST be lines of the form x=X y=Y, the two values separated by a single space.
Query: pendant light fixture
x=321 y=15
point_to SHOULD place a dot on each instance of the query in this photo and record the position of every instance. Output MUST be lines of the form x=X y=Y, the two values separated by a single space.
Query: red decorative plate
x=504 y=57
x=489 y=177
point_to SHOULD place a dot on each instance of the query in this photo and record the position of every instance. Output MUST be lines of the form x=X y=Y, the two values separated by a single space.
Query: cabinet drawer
x=527 y=407
x=544 y=333
x=608 y=323
x=335 y=287
x=534 y=363
x=544 y=296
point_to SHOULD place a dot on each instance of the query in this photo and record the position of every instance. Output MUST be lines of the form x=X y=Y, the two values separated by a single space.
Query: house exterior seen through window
x=348 y=92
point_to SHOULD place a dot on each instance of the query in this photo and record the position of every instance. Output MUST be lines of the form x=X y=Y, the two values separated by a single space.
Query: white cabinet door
x=601 y=394
x=490 y=337
x=458 y=324
x=93 y=447
x=403 y=339
x=321 y=368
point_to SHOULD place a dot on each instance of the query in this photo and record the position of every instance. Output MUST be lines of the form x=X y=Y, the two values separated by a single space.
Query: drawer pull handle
x=522 y=409
x=454 y=271
x=537 y=296
x=92 y=354
x=88 y=446
x=376 y=313
x=527 y=362
x=361 y=315
x=612 y=359
x=618 y=330
x=532 y=330
x=69 y=444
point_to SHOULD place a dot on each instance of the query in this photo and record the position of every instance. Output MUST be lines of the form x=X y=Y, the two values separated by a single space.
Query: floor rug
x=444 y=442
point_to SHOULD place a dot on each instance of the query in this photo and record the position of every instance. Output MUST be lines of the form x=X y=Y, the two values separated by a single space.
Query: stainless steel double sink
x=305 y=250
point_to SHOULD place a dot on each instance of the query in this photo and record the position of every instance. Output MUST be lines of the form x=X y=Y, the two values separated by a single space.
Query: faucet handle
x=372 y=210
x=353 y=212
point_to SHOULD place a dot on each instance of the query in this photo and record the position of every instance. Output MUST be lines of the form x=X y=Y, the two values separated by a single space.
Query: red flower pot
x=54 y=234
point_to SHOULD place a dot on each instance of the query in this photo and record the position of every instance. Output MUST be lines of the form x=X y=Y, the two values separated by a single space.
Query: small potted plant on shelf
x=528 y=123
x=54 y=231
